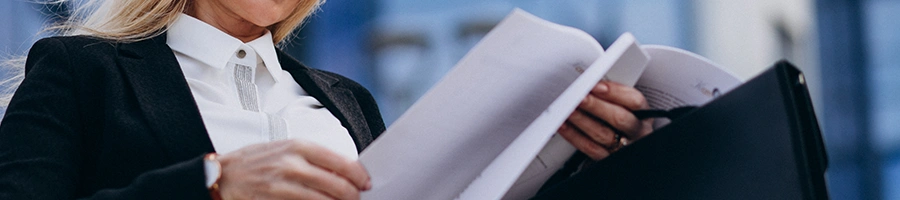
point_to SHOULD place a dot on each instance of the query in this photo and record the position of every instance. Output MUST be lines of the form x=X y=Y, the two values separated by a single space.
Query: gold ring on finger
x=618 y=143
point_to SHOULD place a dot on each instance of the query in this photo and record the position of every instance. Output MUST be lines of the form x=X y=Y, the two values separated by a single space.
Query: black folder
x=759 y=141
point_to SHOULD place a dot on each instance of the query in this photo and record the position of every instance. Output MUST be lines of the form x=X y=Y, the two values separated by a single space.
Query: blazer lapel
x=340 y=101
x=164 y=97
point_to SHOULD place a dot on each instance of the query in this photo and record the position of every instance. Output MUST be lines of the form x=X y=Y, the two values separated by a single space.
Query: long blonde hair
x=133 y=20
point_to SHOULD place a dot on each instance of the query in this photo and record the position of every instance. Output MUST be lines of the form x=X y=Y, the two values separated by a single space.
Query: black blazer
x=104 y=120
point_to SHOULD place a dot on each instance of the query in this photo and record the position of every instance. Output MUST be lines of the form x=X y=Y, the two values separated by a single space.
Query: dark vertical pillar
x=855 y=169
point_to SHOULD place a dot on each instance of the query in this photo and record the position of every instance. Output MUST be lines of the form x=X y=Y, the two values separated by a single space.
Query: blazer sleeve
x=41 y=139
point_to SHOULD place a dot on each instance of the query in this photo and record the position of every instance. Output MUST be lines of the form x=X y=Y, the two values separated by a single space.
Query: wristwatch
x=213 y=170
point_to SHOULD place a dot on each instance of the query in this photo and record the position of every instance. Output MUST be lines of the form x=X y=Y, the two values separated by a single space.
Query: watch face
x=212 y=169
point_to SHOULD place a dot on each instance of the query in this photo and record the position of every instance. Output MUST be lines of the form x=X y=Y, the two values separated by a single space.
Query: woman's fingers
x=582 y=142
x=594 y=129
x=290 y=169
x=604 y=113
x=627 y=97
x=323 y=181
x=295 y=191
x=615 y=115
x=324 y=158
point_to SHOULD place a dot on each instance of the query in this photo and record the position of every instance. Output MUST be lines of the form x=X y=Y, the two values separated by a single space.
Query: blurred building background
x=849 y=50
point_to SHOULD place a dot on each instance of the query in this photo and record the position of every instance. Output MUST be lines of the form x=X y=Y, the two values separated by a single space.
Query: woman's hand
x=290 y=169
x=591 y=128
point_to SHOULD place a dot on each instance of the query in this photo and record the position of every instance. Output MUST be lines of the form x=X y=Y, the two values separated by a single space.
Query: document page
x=676 y=78
x=531 y=159
x=448 y=137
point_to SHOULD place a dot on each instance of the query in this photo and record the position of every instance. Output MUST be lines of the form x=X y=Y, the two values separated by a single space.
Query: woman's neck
x=225 y=20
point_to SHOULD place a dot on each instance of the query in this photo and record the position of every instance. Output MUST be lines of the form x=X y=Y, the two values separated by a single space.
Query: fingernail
x=601 y=88
x=368 y=185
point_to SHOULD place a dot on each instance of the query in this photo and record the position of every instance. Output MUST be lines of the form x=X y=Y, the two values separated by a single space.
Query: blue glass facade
x=20 y=24
x=882 y=39
x=399 y=48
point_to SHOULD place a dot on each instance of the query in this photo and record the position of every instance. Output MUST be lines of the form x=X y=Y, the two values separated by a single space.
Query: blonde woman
x=190 y=99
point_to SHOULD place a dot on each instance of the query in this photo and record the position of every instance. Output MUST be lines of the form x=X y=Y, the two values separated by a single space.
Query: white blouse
x=244 y=96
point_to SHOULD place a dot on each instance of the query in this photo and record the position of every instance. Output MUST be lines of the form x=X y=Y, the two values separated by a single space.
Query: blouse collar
x=207 y=44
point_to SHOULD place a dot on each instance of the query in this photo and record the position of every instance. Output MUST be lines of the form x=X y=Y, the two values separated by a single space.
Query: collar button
x=241 y=54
